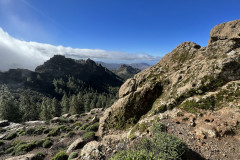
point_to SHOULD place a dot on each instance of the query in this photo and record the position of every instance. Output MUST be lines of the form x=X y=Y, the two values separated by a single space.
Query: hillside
x=78 y=85
x=193 y=90
x=187 y=106
x=126 y=72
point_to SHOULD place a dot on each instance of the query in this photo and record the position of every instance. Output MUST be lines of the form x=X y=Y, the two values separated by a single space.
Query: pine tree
x=9 y=109
x=55 y=108
x=73 y=105
x=46 y=109
x=65 y=104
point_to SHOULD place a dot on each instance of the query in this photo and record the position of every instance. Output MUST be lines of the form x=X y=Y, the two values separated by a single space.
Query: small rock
x=35 y=123
x=66 y=115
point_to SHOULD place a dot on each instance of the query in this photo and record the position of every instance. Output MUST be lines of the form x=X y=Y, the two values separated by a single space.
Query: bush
x=30 y=131
x=39 y=143
x=47 y=144
x=58 y=130
x=39 y=130
x=70 y=134
x=83 y=127
x=21 y=132
x=76 y=124
x=60 y=156
x=93 y=127
x=11 y=136
x=73 y=155
x=160 y=146
x=88 y=136
x=158 y=127
x=23 y=148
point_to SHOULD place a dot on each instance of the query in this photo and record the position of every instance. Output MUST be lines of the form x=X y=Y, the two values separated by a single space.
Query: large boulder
x=228 y=30
x=187 y=71
x=91 y=151
x=78 y=143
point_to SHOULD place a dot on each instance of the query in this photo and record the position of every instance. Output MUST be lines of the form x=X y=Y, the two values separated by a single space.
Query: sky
x=120 y=31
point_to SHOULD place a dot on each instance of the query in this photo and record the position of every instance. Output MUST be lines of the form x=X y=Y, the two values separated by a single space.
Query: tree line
x=72 y=96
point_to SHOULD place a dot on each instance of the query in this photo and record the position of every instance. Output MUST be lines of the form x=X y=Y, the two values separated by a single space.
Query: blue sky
x=151 y=27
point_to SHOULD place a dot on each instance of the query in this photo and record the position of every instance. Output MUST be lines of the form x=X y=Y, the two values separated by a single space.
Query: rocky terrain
x=201 y=83
x=42 y=140
x=193 y=93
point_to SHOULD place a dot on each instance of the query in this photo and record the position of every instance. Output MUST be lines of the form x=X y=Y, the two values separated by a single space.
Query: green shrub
x=30 y=131
x=23 y=148
x=160 y=109
x=76 y=124
x=73 y=155
x=58 y=130
x=11 y=136
x=88 y=136
x=38 y=143
x=70 y=134
x=47 y=144
x=83 y=127
x=160 y=146
x=21 y=132
x=39 y=130
x=60 y=156
x=158 y=127
x=9 y=150
x=93 y=127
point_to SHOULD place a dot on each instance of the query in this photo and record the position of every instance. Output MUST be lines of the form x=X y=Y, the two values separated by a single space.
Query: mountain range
x=114 y=66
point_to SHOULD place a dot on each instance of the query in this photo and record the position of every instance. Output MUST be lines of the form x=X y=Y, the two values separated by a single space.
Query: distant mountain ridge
x=59 y=67
x=125 y=71
x=114 y=66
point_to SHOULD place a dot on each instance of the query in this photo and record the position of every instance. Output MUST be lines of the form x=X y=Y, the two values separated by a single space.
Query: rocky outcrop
x=91 y=151
x=189 y=70
x=78 y=143
x=229 y=30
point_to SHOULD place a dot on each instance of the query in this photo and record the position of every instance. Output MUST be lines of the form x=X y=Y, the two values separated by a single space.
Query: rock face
x=188 y=71
x=229 y=30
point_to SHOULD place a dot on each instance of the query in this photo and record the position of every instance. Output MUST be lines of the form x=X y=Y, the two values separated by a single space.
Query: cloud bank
x=16 y=53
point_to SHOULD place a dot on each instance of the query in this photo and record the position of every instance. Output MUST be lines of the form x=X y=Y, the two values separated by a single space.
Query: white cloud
x=16 y=53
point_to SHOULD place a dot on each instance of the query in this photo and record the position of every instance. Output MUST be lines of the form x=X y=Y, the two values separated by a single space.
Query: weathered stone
x=35 y=123
x=91 y=151
x=66 y=115
x=55 y=120
x=228 y=30
x=128 y=87
x=77 y=144
x=111 y=139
